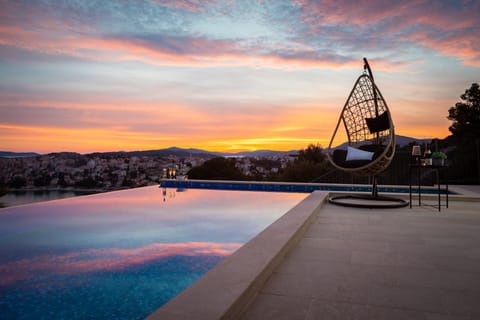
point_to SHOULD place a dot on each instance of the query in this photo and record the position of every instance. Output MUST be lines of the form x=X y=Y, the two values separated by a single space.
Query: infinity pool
x=122 y=255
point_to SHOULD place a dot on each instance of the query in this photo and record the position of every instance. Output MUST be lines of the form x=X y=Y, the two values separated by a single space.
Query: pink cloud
x=190 y=5
x=180 y=51
x=364 y=12
x=463 y=46
x=365 y=24
x=321 y=13
x=352 y=26
x=45 y=37
x=162 y=51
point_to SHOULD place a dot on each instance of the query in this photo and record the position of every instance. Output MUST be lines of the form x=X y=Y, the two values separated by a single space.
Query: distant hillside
x=261 y=153
x=8 y=154
x=172 y=151
x=402 y=141
x=66 y=155
x=181 y=152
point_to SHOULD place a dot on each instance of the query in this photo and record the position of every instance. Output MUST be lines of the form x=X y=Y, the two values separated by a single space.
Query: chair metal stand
x=371 y=201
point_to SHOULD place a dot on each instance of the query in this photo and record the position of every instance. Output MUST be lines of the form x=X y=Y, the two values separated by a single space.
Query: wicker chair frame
x=366 y=101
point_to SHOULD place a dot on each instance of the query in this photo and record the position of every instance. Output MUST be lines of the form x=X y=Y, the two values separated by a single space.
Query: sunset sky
x=225 y=75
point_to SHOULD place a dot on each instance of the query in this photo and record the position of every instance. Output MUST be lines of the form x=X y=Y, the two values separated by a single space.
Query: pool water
x=122 y=255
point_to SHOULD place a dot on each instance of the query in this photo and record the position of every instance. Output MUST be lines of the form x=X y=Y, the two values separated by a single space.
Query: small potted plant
x=438 y=158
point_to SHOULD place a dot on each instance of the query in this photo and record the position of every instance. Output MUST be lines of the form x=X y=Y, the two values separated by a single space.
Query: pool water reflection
x=123 y=254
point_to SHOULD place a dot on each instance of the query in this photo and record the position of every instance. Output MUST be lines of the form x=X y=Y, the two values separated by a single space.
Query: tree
x=3 y=190
x=217 y=168
x=313 y=153
x=18 y=182
x=465 y=130
x=42 y=180
x=88 y=183
x=310 y=164
x=466 y=116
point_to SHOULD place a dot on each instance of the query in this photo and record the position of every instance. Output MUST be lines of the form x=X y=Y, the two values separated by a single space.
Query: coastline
x=17 y=197
x=40 y=189
x=20 y=196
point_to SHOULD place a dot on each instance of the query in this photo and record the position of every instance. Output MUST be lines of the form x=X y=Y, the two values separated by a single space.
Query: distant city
x=119 y=170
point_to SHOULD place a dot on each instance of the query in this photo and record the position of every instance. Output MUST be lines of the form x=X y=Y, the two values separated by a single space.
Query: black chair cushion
x=379 y=123
x=377 y=149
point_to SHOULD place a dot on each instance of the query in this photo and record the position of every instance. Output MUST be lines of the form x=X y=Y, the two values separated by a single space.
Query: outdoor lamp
x=416 y=153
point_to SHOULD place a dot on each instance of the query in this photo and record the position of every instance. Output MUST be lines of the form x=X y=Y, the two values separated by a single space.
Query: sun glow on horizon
x=48 y=140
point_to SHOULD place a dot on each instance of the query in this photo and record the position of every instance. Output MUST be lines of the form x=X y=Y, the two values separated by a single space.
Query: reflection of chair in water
x=370 y=135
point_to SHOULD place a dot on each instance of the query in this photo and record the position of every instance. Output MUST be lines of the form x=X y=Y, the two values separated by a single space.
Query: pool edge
x=226 y=291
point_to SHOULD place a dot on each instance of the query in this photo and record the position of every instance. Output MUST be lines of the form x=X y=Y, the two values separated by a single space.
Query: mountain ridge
x=10 y=154
x=400 y=140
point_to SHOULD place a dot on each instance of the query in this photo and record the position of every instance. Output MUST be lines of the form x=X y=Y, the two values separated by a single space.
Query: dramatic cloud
x=448 y=27
x=331 y=31
x=157 y=72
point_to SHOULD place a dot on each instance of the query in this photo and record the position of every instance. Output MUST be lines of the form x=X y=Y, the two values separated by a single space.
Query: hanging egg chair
x=366 y=124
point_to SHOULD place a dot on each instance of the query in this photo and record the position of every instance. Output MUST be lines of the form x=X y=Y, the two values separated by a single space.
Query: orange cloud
x=107 y=127
x=137 y=126
x=49 y=139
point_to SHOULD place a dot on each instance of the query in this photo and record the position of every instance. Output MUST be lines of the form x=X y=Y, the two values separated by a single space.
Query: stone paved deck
x=379 y=264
